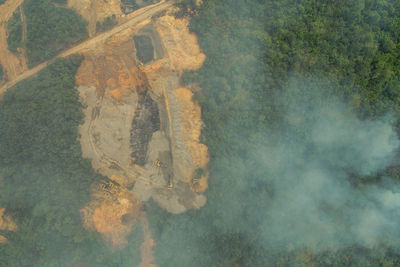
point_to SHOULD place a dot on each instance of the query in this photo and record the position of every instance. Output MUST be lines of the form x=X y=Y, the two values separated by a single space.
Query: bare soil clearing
x=180 y=45
x=163 y=155
x=141 y=127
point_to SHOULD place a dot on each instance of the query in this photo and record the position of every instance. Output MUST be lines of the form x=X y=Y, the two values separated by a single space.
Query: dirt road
x=140 y=15
x=8 y=8
x=146 y=249
x=23 y=22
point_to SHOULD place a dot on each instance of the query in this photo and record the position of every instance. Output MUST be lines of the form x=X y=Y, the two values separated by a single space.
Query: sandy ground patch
x=182 y=47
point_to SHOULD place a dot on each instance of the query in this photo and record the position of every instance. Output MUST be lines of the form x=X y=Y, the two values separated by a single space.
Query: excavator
x=194 y=184
x=159 y=164
x=170 y=182
x=107 y=185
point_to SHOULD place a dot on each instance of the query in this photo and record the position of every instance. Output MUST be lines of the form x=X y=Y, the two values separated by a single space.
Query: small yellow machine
x=159 y=164
x=107 y=185
x=170 y=183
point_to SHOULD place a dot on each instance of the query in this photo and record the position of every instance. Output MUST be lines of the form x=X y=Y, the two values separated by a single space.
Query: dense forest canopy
x=298 y=100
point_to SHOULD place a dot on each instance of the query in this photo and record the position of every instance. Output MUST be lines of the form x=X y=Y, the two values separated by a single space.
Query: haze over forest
x=199 y=133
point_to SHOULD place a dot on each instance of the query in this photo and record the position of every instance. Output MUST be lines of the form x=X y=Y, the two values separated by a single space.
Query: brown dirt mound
x=111 y=67
x=112 y=212
x=180 y=44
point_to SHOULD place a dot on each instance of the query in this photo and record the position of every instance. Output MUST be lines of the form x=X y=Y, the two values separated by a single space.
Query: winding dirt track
x=146 y=249
x=139 y=16
x=8 y=8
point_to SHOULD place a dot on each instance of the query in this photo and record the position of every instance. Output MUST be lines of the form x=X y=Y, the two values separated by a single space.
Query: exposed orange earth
x=112 y=212
x=192 y=124
x=6 y=224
